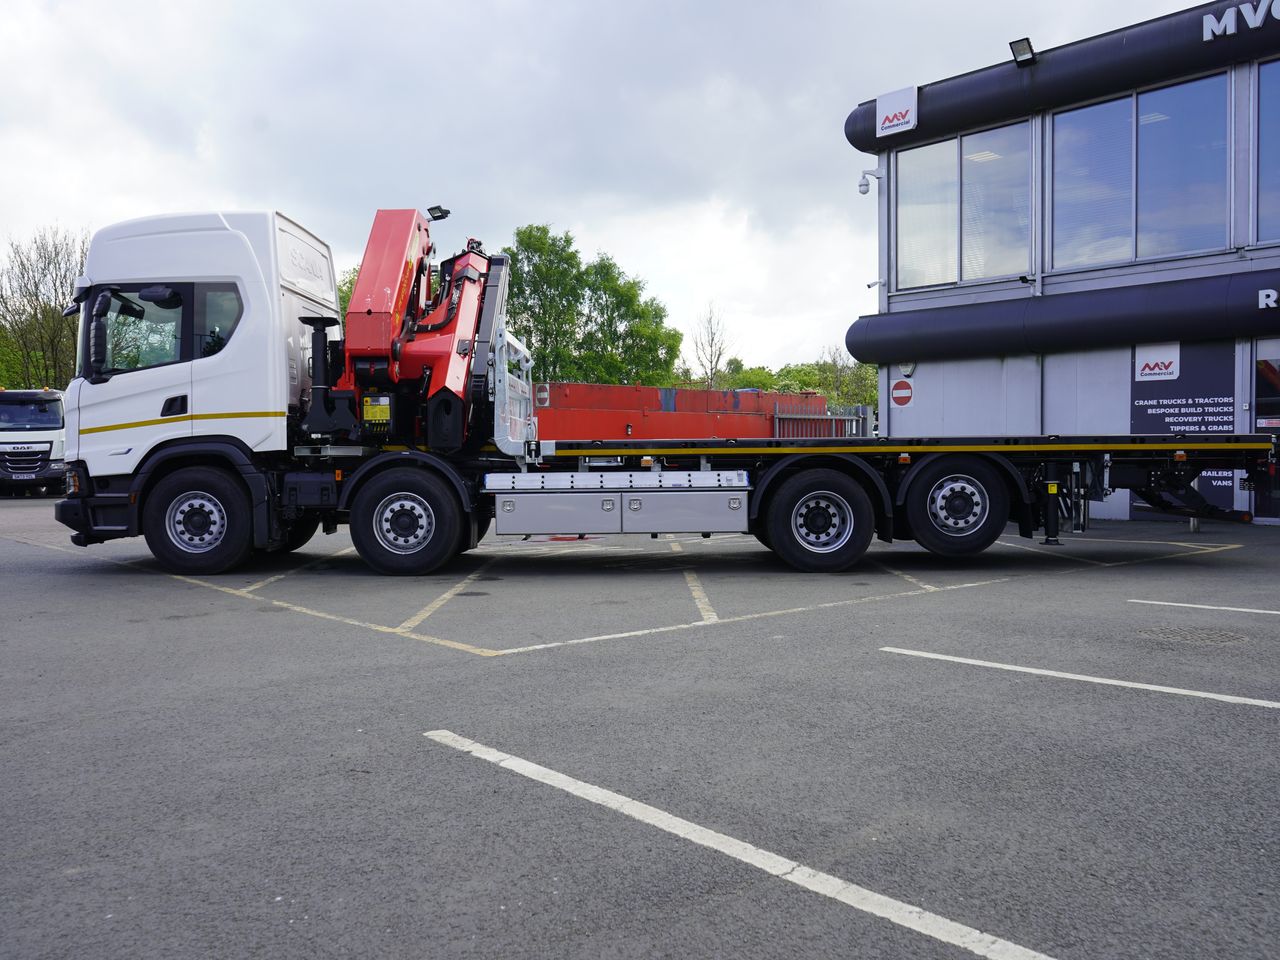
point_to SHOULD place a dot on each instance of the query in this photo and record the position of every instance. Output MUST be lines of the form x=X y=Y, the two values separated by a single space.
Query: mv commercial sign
x=1246 y=16
x=897 y=112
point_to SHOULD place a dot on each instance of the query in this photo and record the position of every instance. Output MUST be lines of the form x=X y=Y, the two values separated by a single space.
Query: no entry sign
x=901 y=393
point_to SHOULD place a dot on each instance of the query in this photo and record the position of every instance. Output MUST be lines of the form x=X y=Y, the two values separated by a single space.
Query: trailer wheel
x=820 y=521
x=198 y=520
x=957 y=506
x=406 y=522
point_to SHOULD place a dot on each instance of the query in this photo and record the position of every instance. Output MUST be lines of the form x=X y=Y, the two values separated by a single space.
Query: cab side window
x=141 y=334
x=218 y=311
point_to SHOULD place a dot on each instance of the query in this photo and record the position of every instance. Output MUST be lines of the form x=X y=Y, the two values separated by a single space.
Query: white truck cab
x=200 y=315
x=187 y=319
x=31 y=440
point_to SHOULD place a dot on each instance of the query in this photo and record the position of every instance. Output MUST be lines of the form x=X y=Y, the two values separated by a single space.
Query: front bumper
x=47 y=476
x=97 y=519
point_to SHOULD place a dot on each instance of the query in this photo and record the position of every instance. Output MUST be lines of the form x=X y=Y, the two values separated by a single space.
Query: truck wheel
x=300 y=533
x=820 y=521
x=406 y=522
x=198 y=520
x=957 y=506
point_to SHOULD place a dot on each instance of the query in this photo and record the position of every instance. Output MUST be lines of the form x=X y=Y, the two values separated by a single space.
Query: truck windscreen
x=25 y=414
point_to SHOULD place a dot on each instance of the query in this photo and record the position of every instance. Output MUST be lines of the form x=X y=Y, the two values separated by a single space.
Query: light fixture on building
x=1024 y=55
x=907 y=369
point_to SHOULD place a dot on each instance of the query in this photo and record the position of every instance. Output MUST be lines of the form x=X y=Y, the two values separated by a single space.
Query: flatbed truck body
x=208 y=420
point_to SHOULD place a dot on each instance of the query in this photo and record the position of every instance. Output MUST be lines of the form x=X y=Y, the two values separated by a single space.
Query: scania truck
x=223 y=406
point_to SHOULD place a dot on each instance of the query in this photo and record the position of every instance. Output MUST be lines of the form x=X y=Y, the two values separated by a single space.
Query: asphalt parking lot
x=632 y=748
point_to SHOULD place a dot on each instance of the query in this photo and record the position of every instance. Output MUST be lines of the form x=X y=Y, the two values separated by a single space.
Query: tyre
x=406 y=522
x=820 y=521
x=300 y=533
x=198 y=520
x=957 y=506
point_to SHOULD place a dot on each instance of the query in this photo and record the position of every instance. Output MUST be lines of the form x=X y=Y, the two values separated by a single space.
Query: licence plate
x=24 y=476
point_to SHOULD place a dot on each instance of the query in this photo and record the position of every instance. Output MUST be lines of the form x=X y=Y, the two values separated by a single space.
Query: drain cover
x=1193 y=635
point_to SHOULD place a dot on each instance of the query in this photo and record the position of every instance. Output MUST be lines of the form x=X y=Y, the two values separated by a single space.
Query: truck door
x=142 y=398
x=1266 y=407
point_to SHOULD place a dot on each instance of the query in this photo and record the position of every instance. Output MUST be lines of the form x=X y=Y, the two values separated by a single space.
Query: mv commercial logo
x=1252 y=15
x=896 y=112
x=1157 y=361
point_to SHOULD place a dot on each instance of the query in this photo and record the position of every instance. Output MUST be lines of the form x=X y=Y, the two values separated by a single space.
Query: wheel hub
x=196 y=522
x=822 y=522
x=818 y=520
x=957 y=504
x=404 y=523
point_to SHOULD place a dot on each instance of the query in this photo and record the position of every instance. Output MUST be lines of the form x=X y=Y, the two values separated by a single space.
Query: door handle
x=174 y=406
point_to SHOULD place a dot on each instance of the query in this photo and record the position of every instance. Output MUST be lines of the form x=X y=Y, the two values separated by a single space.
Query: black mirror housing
x=97 y=344
x=102 y=305
x=164 y=297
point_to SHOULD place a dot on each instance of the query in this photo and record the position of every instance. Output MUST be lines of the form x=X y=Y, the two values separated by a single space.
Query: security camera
x=864 y=185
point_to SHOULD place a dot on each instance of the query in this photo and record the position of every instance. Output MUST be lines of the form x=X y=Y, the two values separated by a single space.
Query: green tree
x=748 y=378
x=589 y=323
x=346 y=283
x=544 y=298
x=10 y=362
x=835 y=375
x=37 y=279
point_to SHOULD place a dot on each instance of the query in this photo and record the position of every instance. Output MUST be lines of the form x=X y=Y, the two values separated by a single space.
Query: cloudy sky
x=700 y=144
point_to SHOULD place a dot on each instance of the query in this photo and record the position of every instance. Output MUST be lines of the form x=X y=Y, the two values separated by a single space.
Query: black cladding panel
x=1209 y=308
x=1148 y=53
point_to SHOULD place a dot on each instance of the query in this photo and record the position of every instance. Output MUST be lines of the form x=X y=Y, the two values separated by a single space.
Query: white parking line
x=1205 y=606
x=914 y=581
x=743 y=618
x=1225 y=698
x=860 y=898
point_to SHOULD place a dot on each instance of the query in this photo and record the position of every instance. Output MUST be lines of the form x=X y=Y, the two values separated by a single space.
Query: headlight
x=57 y=465
x=72 y=479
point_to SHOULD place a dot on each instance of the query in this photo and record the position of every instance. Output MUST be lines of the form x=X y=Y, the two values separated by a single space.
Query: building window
x=1143 y=176
x=1182 y=168
x=964 y=208
x=1093 y=184
x=928 y=215
x=1269 y=151
x=995 y=191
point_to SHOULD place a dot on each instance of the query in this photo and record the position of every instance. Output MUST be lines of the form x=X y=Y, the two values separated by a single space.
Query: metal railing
x=799 y=419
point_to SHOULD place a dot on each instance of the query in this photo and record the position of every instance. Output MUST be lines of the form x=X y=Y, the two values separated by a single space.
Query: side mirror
x=98 y=333
x=164 y=297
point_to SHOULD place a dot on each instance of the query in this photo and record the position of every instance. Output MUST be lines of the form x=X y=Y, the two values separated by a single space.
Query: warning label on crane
x=901 y=393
